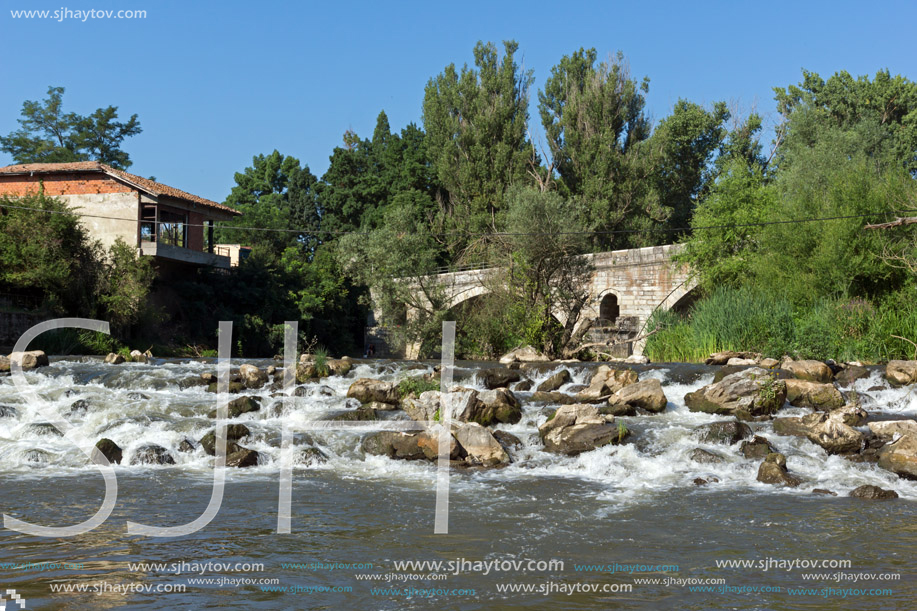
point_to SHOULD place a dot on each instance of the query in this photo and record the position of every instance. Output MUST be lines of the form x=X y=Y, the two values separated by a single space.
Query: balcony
x=183 y=255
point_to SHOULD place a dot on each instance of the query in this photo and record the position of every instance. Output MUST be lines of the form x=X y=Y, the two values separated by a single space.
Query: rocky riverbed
x=559 y=447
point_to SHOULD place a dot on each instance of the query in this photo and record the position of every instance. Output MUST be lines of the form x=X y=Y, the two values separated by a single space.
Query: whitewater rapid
x=138 y=404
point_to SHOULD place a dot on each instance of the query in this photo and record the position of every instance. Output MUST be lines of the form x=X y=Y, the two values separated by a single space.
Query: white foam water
x=656 y=463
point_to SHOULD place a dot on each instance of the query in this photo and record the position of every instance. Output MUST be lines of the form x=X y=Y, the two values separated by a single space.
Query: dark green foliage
x=49 y=135
x=366 y=176
x=126 y=281
x=47 y=255
x=477 y=142
x=275 y=193
x=604 y=149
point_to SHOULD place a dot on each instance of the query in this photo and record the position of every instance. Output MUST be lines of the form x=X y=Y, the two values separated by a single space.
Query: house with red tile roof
x=171 y=225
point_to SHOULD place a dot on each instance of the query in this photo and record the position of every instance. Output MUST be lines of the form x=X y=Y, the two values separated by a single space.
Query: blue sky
x=215 y=83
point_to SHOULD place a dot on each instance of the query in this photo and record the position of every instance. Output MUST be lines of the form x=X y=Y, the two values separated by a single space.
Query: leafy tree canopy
x=49 y=135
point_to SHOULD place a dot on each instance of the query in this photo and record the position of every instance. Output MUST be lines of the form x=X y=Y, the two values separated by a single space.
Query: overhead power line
x=474 y=234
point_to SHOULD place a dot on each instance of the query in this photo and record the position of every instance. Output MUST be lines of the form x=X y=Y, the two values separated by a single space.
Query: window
x=173 y=228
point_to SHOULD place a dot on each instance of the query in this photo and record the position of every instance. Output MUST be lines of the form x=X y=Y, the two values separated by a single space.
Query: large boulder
x=31 y=359
x=426 y=407
x=498 y=377
x=233 y=387
x=831 y=432
x=340 y=367
x=114 y=359
x=888 y=430
x=493 y=406
x=152 y=454
x=234 y=432
x=525 y=354
x=243 y=457
x=791 y=427
x=109 y=449
x=481 y=447
x=901 y=373
x=306 y=372
x=578 y=428
x=813 y=371
x=394 y=444
x=873 y=493
x=555 y=381
x=508 y=440
x=367 y=390
x=803 y=393
x=704 y=457
x=850 y=374
x=759 y=447
x=727 y=432
x=428 y=442
x=239 y=406
x=139 y=357
x=900 y=456
x=4 y=364
x=645 y=394
x=410 y=446
x=44 y=429
x=749 y=393
x=252 y=377
x=605 y=382
x=773 y=471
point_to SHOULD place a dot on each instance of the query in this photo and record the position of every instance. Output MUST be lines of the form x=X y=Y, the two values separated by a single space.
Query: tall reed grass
x=749 y=319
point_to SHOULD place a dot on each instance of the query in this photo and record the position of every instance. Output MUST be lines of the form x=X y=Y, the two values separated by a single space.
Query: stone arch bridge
x=626 y=287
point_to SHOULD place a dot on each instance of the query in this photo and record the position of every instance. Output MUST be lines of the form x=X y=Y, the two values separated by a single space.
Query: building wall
x=91 y=195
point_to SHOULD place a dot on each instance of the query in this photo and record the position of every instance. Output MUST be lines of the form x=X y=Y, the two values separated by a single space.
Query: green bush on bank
x=750 y=319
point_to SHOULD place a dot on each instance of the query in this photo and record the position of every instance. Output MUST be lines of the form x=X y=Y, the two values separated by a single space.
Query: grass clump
x=416 y=386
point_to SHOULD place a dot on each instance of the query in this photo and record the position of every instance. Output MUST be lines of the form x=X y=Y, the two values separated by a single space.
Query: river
x=635 y=506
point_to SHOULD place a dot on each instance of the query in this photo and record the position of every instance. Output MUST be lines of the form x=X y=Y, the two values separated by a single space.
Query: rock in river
x=901 y=456
x=152 y=454
x=749 y=393
x=578 y=428
x=368 y=390
x=773 y=471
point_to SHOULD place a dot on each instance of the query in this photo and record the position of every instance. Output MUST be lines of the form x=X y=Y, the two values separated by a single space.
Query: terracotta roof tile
x=144 y=184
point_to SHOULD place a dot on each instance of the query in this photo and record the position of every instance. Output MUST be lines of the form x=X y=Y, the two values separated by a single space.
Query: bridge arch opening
x=609 y=310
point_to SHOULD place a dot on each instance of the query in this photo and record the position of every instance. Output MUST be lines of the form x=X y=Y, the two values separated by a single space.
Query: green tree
x=47 y=254
x=682 y=146
x=49 y=135
x=398 y=262
x=726 y=224
x=365 y=176
x=476 y=121
x=544 y=265
x=125 y=281
x=878 y=118
x=596 y=127
x=275 y=194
